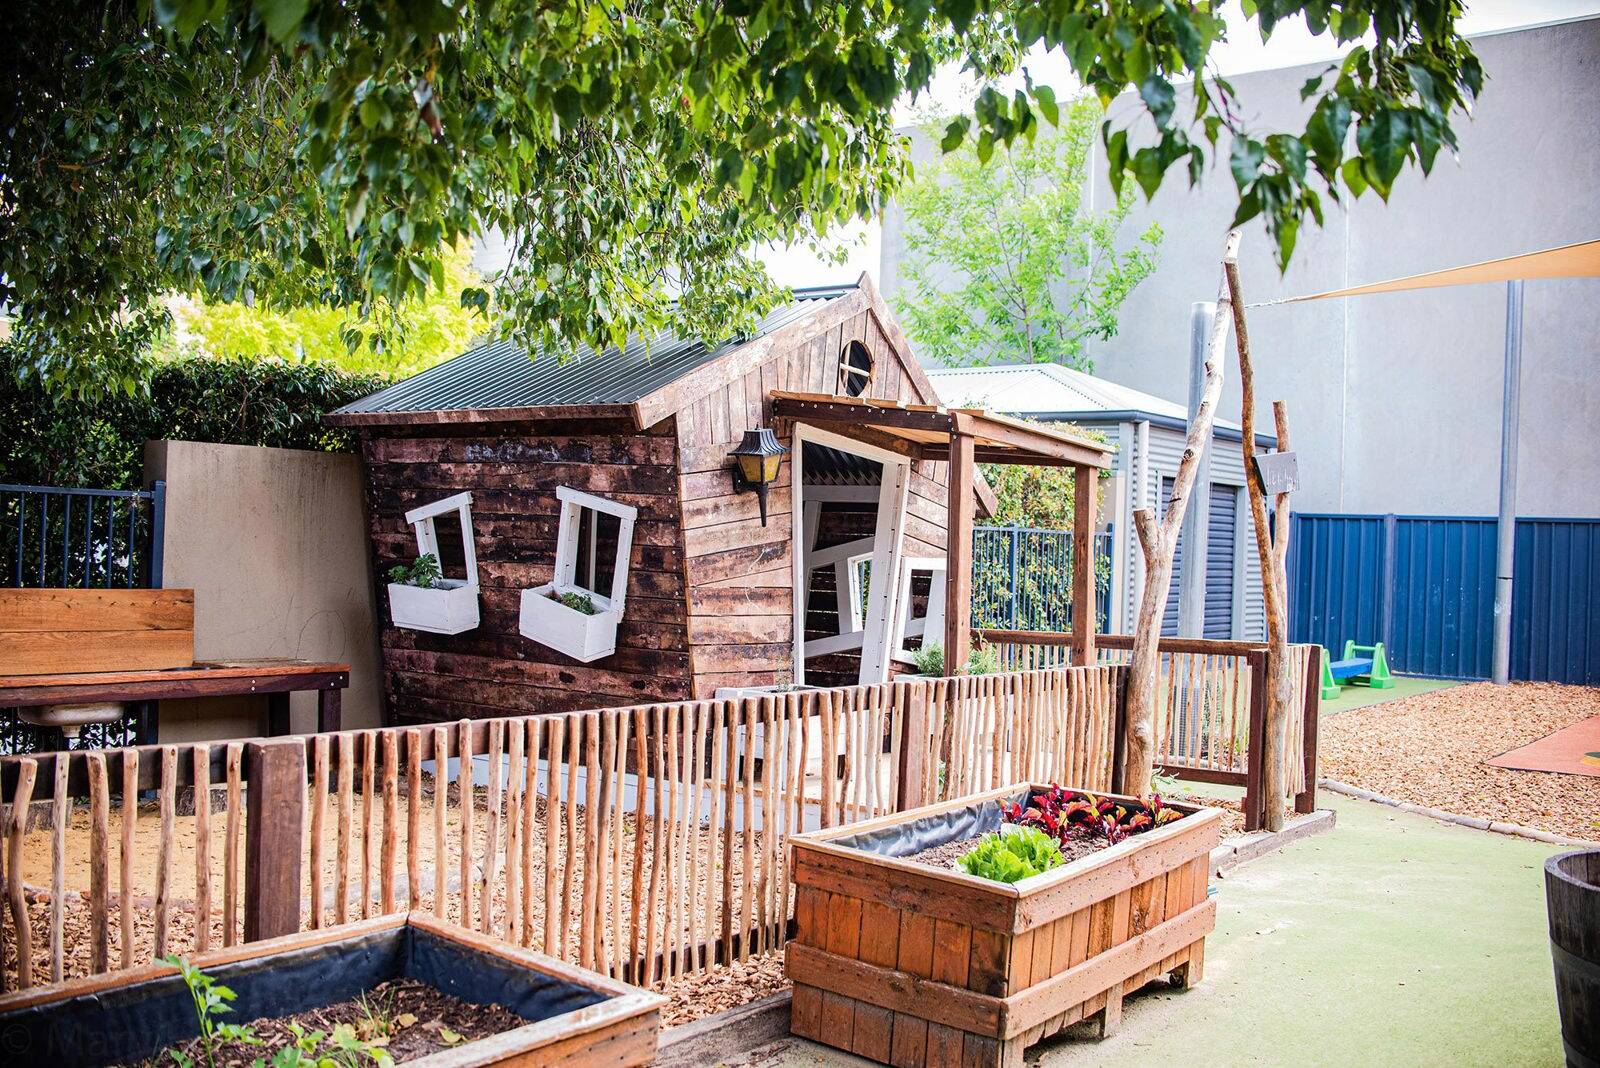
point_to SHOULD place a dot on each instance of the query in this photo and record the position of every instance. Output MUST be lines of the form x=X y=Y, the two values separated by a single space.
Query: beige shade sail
x=1581 y=260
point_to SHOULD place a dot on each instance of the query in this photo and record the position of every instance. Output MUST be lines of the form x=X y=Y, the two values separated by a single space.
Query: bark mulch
x=694 y=997
x=1430 y=750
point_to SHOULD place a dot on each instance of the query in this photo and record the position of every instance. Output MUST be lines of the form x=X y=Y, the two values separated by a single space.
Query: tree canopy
x=1006 y=263
x=326 y=151
x=420 y=333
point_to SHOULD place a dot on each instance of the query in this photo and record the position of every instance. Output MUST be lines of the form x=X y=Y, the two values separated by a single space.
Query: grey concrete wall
x=274 y=544
x=1394 y=400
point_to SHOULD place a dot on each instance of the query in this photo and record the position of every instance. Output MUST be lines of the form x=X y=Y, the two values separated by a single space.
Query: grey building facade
x=1394 y=400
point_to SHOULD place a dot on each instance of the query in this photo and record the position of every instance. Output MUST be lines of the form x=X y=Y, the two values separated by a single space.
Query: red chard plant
x=1065 y=814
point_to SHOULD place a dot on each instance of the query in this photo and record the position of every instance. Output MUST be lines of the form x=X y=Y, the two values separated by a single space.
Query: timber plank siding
x=512 y=472
x=739 y=574
x=710 y=599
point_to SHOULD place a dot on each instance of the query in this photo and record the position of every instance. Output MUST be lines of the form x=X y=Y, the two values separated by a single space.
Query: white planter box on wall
x=567 y=630
x=450 y=606
x=586 y=567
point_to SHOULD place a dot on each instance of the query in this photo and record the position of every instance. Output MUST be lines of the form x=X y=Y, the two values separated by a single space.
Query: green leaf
x=281 y=17
x=1158 y=97
x=1245 y=160
x=1045 y=97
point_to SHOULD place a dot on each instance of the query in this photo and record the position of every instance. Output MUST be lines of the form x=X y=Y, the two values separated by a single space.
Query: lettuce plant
x=1012 y=856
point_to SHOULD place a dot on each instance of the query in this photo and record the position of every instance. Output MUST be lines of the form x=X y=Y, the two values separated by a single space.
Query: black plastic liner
x=956 y=825
x=127 y=1024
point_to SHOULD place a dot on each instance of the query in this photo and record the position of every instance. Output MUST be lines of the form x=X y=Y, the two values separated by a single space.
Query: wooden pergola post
x=958 y=566
x=1083 y=600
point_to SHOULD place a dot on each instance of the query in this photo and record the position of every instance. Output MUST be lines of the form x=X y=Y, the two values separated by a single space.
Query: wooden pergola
x=964 y=437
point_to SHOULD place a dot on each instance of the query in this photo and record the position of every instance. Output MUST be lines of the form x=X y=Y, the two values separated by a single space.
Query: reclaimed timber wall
x=512 y=471
x=739 y=574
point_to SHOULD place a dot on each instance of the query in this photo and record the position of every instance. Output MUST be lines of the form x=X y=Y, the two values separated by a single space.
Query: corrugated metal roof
x=1049 y=390
x=501 y=375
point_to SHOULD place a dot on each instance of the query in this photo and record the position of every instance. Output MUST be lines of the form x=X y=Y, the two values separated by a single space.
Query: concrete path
x=1391 y=940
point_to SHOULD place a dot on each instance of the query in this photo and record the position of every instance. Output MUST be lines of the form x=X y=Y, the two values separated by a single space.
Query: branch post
x=1272 y=551
x=1158 y=541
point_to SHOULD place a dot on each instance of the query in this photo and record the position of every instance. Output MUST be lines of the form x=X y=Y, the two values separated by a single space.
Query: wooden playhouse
x=599 y=546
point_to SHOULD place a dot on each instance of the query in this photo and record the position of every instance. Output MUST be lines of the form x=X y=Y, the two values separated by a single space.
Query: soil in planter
x=417 y=1020
x=945 y=856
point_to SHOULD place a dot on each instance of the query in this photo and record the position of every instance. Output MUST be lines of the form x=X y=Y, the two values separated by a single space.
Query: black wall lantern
x=757 y=459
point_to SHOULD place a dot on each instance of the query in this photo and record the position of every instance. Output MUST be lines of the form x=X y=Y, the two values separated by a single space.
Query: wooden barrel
x=1572 y=896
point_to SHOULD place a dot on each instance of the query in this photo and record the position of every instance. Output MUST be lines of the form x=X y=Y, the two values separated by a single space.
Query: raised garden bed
x=911 y=964
x=561 y=1013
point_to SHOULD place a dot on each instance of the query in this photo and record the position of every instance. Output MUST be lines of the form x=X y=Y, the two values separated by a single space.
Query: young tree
x=1158 y=541
x=1006 y=263
x=325 y=151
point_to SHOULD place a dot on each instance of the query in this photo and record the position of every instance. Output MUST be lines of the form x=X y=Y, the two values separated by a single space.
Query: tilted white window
x=594 y=544
x=450 y=605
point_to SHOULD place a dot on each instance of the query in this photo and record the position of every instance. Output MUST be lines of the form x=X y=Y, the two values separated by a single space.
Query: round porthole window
x=855 y=369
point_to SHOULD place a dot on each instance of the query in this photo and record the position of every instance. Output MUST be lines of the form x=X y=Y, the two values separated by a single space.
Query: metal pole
x=1506 y=528
x=1197 y=517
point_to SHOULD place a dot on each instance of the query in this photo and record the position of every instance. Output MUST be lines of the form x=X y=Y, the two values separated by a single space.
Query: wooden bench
x=72 y=647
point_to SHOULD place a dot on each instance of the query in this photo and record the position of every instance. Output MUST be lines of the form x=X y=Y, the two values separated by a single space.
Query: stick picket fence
x=1210 y=706
x=646 y=843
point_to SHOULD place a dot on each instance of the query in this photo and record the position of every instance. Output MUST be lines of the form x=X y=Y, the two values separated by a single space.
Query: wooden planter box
x=580 y=635
x=907 y=964
x=576 y=1016
x=450 y=607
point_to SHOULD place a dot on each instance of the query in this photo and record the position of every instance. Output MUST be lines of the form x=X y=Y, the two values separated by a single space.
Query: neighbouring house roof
x=1053 y=393
x=499 y=380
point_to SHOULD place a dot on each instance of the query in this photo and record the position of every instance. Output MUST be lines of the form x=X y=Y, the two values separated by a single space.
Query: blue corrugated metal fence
x=1424 y=586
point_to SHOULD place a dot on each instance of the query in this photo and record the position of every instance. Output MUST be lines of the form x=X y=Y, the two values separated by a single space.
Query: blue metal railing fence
x=1022 y=578
x=81 y=538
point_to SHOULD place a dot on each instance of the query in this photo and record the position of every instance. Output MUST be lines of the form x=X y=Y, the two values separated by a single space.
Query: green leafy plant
x=423 y=572
x=578 y=602
x=983 y=660
x=343 y=1048
x=1012 y=855
x=211 y=1002
x=57 y=440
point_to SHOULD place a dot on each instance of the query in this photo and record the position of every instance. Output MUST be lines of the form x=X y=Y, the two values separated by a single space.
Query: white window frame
x=573 y=502
x=908 y=626
x=421 y=520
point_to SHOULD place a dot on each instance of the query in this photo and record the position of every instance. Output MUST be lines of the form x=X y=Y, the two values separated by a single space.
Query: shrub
x=1012 y=856
x=983 y=660
x=58 y=440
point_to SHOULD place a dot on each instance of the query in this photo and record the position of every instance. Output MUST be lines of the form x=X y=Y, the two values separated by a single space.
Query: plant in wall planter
x=578 y=611
x=420 y=597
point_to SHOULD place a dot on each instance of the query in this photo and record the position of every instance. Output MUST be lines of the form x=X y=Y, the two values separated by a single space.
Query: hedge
x=60 y=441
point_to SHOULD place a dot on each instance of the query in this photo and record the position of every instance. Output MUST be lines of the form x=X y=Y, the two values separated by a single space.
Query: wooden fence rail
x=1210 y=707
x=645 y=842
